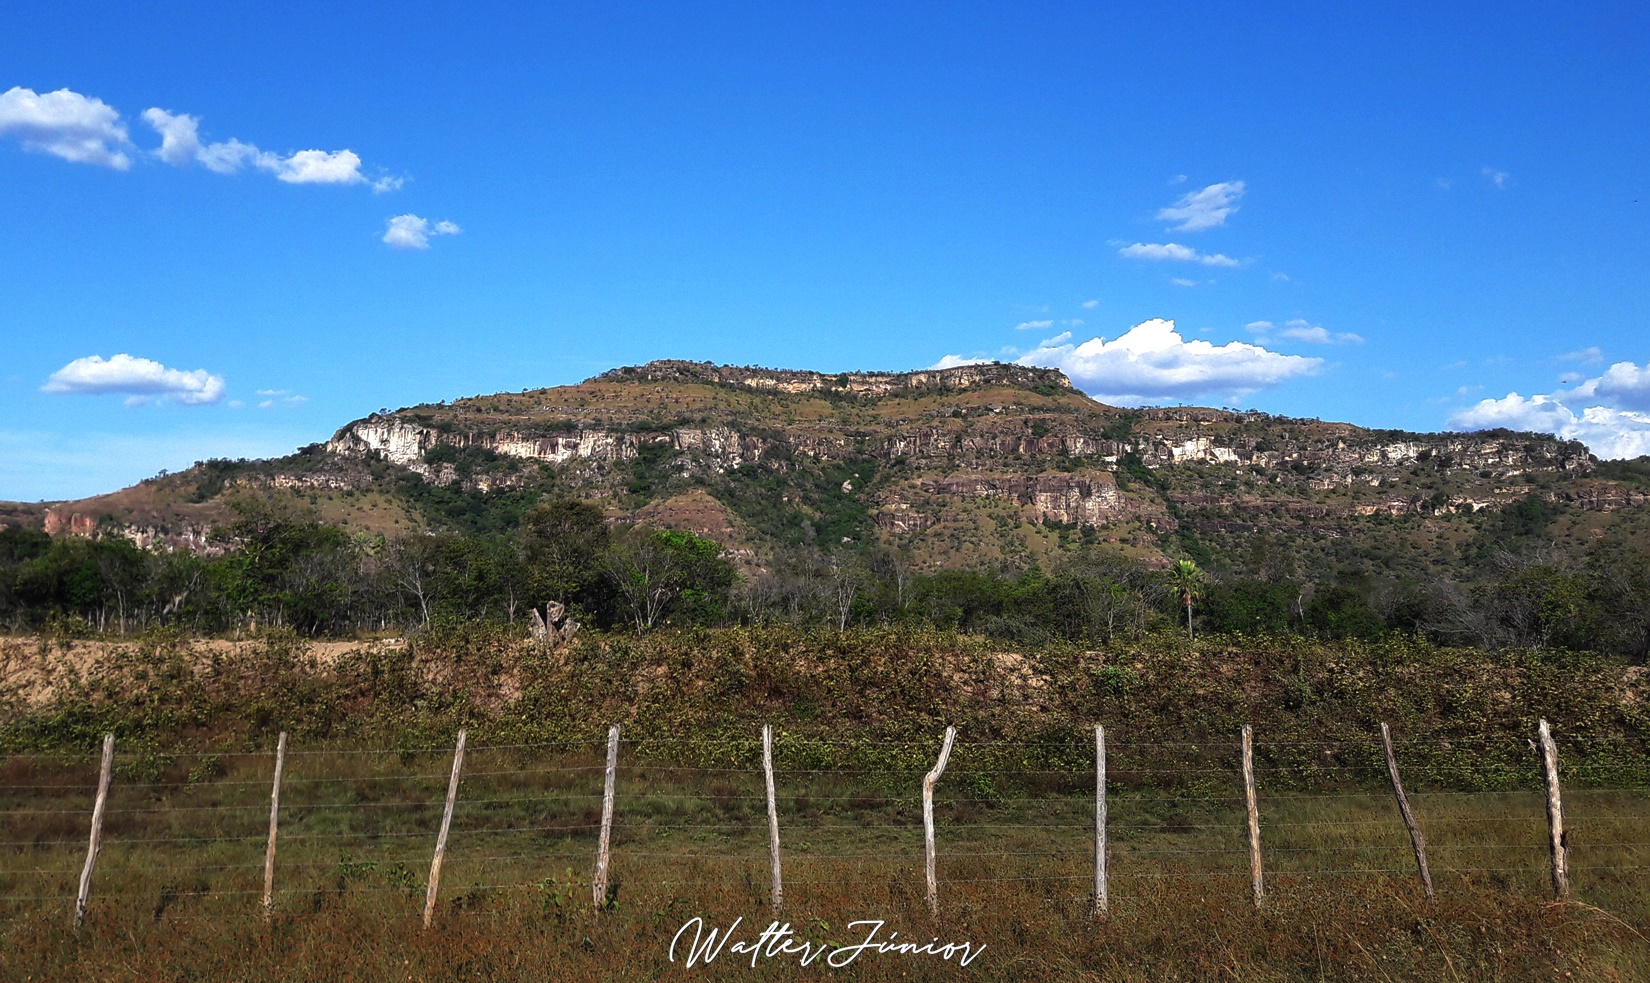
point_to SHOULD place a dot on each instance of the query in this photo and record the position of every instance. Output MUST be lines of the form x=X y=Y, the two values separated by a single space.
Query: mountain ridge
x=991 y=464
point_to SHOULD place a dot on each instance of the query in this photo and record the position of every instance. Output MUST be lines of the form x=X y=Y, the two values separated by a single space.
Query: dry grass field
x=176 y=894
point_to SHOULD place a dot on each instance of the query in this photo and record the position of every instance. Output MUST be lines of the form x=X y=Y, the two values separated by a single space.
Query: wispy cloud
x=958 y=361
x=1174 y=252
x=181 y=145
x=1591 y=355
x=140 y=379
x=66 y=124
x=1497 y=178
x=413 y=232
x=1301 y=330
x=1033 y=325
x=88 y=130
x=1089 y=305
x=1203 y=209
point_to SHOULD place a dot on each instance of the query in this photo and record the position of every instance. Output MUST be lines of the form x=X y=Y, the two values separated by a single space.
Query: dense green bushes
x=1316 y=705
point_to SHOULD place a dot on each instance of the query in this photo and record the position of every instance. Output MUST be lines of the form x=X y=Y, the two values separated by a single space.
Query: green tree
x=1186 y=584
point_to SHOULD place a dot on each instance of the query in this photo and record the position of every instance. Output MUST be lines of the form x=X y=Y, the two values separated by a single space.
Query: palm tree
x=1184 y=580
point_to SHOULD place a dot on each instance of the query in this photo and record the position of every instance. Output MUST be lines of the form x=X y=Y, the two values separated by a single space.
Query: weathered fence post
x=1416 y=840
x=274 y=824
x=773 y=818
x=1257 y=882
x=96 y=842
x=1101 y=902
x=598 y=884
x=928 y=782
x=441 y=838
x=1555 y=815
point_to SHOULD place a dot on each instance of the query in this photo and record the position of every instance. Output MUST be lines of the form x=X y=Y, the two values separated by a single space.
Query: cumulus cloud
x=1174 y=252
x=1204 y=209
x=1610 y=413
x=1591 y=355
x=65 y=124
x=1033 y=325
x=1299 y=330
x=1607 y=432
x=1623 y=384
x=1151 y=362
x=413 y=232
x=139 y=378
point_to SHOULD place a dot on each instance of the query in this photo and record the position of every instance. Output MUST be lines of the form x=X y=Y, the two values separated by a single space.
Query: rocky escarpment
x=990 y=463
x=992 y=374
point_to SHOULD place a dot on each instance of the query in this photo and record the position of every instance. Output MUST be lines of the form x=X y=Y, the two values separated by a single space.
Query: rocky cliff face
x=991 y=462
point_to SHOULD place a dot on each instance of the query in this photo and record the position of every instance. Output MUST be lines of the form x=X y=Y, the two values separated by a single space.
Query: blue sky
x=290 y=217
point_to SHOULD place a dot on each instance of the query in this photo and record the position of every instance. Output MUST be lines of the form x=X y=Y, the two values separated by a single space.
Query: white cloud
x=1607 y=432
x=138 y=378
x=1174 y=252
x=180 y=145
x=1591 y=355
x=1299 y=330
x=1151 y=362
x=315 y=167
x=1033 y=325
x=957 y=361
x=180 y=140
x=1181 y=281
x=65 y=124
x=1622 y=384
x=413 y=232
x=1089 y=305
x=1204 y=209
x=1616 y=424
x=1497 y=178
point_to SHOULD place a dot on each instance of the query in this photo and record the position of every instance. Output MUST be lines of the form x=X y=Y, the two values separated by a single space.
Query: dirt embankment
x=33 y=669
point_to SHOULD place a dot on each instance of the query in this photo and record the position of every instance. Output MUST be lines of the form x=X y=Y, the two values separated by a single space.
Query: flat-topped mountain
x=989 y=465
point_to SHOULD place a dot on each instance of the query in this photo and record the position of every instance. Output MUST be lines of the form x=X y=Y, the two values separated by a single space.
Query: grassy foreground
x=858 y=718
x=176 y=894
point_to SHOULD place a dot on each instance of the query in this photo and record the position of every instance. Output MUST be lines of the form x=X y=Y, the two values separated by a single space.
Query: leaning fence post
x=928 y=782
x=1555 y=815
x=773 y=818
x=1101 y=902
x=274 y=823
x=598 y=884
x=96 y=842
x=1257 y=882
x=441 y=838
x=1416 y=840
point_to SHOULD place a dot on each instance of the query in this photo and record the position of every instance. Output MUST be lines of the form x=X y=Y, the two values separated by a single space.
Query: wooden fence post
x=441 y=838
x=598 y=884
x=773 y=818
x=1557 y=840
x=96 y=842
x=1257 y=882
x=1101 y=903
x=928 y=782
x=1416 y=840
x=274 y=824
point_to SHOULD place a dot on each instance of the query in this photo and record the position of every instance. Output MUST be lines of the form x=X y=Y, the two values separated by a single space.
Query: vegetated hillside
x=996 y=467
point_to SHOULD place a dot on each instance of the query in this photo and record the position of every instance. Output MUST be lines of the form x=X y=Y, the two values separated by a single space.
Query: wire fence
x=182 y=829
